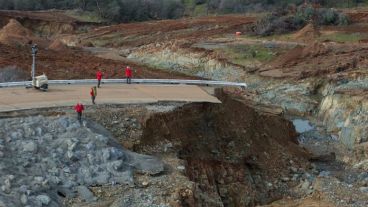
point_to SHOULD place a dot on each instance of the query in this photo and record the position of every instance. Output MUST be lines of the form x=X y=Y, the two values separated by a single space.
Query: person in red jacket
x=79 y=108
x=99 y=77
x=128 y=74
x=93 y=94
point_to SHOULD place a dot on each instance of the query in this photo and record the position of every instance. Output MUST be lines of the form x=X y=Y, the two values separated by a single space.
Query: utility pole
x=34 y=53
x=208 y=7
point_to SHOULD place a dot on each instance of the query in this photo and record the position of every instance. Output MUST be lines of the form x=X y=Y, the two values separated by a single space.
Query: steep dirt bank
x=236 y=154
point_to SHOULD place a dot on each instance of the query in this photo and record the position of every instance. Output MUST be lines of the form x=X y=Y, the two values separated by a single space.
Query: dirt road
x=21 y=98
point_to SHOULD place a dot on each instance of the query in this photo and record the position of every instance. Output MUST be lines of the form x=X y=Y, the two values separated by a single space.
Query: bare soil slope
x=137 y=34
x=15 y=34
x=313 y=60
x=307 y=33
x=57 y=45
x=74 y=64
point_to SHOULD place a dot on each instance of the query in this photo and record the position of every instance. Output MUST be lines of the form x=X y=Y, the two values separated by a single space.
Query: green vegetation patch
x=344 y=37
x=109 y=39
x=85 y=16
x=246 y=54
x=200 y=10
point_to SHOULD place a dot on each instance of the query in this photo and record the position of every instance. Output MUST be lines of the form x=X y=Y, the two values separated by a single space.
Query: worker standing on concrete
x=93 y=93
x=99 y=77
x=79 y=108
x=128 y=74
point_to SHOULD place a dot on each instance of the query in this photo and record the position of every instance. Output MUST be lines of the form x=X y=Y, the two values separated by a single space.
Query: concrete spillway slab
x=60 y=95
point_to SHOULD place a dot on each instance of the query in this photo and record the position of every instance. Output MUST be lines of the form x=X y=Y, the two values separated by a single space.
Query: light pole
x=34 y=52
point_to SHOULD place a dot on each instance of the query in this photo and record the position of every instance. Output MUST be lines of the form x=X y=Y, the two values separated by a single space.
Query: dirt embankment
x=357 y=16
x=234 y=153
x=57 y=45
x=15 y=34
x=327 y=59
x=60 y=63
x=138 y=34
x=46 y=23
x=307 y=33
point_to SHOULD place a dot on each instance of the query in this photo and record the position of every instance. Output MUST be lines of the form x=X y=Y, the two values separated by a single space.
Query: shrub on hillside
x=323 y=16
x=277 y=24
x=343 y=19
x=332 y=17
x=197 y=2
x=285 y=21
x=141 y=10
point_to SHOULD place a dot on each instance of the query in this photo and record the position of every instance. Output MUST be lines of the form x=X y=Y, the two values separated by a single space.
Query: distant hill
x=141 y=10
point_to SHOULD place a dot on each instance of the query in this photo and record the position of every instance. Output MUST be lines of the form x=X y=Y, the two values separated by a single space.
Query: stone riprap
x=45 y=159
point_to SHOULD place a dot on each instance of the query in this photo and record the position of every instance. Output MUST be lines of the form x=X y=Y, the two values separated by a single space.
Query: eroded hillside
x=297 y=135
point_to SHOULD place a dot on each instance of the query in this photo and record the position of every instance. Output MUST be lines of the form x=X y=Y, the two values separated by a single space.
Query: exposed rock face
x=344 y=111
x=347 y=116
x=49 y=29
x=43 y=158
x=188 y=62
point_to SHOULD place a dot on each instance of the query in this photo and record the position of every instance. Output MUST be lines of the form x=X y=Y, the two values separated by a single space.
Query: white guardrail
x=137 y=81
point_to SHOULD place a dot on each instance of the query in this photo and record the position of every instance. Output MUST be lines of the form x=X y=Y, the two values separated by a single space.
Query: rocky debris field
x=329 y=181
x=47 y=159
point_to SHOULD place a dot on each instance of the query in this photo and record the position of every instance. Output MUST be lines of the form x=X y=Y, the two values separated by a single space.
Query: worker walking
x=93 y=93
x=99 y=77
x=79 y=108
x=128 y=75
